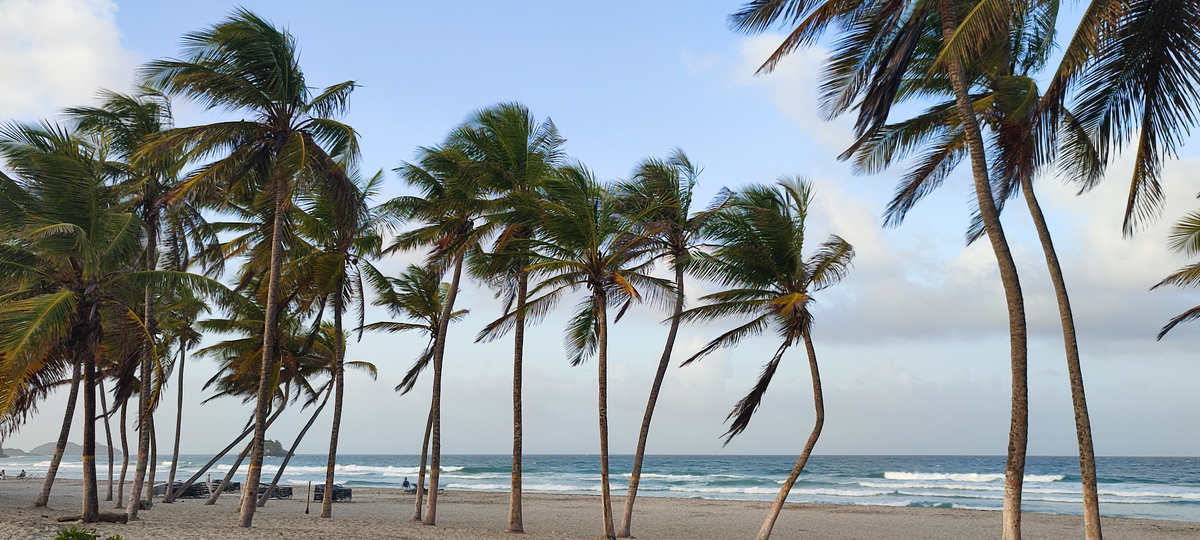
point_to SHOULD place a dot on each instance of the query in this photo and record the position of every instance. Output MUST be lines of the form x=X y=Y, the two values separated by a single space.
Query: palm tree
x=127 y=122
x=72 y=244
x=419 y=295
x=342 y=243
x=1008 y=104
x=659 y=197
x=759 y=239
x=584 y=243
x=514 y=155
x=293 y=144
x=451 y=201
x=867 y=70
x=179 y=318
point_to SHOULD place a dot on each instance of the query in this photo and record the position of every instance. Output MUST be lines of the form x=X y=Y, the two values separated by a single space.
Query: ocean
x=1139 y=487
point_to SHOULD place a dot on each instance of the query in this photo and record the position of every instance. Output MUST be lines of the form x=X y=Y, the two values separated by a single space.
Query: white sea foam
x=479 y=487
x=967 y=477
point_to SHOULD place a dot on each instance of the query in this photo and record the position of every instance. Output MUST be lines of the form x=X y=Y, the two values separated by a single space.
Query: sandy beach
x=463 y=515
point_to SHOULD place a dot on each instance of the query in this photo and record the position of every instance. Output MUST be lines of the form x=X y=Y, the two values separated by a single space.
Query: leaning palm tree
x=450 y=203
x=659 y=199
x=867 y=70
x=514 y=155
x=418 y=295
x=292 y=145
x=584 y=243
x=758 y=256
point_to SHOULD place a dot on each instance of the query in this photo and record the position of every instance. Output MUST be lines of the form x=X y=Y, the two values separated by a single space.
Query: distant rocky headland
x=48 y=450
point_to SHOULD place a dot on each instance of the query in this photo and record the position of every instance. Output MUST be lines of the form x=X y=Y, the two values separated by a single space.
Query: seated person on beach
x=1 y=474
x=22 y=475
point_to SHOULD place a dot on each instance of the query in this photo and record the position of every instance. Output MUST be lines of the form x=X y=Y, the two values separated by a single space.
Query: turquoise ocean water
x=1142 y=487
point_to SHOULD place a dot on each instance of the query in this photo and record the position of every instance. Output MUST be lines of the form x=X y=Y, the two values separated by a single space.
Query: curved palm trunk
x=91 y=499
x=196 y=476
x=339 y=372
x=61 y=446
x=270 y=337
x=216 y=494
x=602 y=390
x=170 y=494
x=515 y=522
x=124 y=453
x=144 y=412
x=1083 y=425
x=819 y=406
x=262 y=500
x=663 y=363
x=424 y=460
x=1018 y=435
x=439 y=352
x=107 y=437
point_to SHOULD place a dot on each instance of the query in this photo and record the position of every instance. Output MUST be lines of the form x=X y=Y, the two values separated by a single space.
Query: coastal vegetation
x=125 y=239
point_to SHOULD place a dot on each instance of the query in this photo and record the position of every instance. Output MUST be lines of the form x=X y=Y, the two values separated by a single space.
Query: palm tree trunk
x=439 y=352
x=124 y=453
x=270 y=337
x=602 y=391
x=1083 y=425
x=424 y=460
x=663 y=363
x=153 y=463
x=515 y=522
x=196 y=476
x=91 y=499
x=819 y=406
x=216 y=494
x=144 y=412
x=339 y=353
x=61 y=446
x=107 y=436
x=170 y=493
x=262 y=500
x=1018 y=435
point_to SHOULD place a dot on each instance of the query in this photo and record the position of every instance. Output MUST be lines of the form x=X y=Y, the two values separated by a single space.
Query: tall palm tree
x=514 y=155
x=450 y=202
x=659 y=198
x=343 y=238
x=127 y=122
x=418 y=295
x=71 y=248
x=867 y=71
x=292 y=144
x=759 y=239
x=1007 y=101
x=584 y=243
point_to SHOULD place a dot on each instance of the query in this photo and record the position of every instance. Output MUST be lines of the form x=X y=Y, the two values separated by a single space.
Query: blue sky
x=913 y=345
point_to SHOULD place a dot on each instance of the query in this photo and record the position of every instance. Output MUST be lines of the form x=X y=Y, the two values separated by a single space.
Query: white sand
x=385 y=513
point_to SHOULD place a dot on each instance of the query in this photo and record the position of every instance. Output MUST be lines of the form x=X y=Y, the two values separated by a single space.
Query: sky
x=913 y=345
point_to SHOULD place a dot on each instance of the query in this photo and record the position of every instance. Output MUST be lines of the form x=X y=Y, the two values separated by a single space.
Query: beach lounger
x=280 y=492
x=339 y=493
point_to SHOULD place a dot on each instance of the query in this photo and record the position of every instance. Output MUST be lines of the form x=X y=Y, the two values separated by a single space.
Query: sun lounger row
x=339 y=493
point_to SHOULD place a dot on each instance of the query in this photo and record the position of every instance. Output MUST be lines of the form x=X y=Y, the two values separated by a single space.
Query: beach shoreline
x=472 y=515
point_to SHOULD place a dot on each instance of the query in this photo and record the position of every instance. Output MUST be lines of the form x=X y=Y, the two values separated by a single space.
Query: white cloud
x=58 y=53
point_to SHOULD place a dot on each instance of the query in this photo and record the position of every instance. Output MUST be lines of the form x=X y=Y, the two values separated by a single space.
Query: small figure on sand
x=409 y=487
x=22 y=475
x=2 y=475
